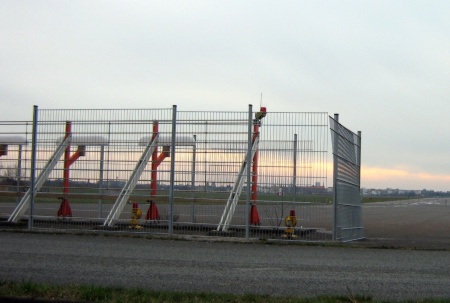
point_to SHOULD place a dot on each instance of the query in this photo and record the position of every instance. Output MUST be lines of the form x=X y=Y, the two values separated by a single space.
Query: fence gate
x=347 y=225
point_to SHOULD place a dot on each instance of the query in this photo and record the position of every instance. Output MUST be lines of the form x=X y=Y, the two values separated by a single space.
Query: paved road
x=224 y=267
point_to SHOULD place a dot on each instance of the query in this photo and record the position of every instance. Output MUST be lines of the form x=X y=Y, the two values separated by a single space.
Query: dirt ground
x=421 y=223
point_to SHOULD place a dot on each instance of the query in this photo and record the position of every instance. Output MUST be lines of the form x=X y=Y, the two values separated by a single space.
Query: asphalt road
x=224 y=267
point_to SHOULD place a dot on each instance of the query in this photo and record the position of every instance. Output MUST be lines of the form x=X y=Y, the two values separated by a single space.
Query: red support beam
x=64 y=209
x=254 y=216
x=154 y=173
x=153 y=213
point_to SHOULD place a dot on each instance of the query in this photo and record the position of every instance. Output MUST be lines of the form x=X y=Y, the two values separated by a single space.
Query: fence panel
x=290 y=174
x=347 y=166
x=15 y=147
x=102 y=164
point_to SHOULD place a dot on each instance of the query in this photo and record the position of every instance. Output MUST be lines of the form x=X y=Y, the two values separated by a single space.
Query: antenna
x=260 y=102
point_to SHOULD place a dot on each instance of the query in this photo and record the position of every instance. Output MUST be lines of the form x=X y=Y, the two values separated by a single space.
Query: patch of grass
x=366 y=199
x=89 y=293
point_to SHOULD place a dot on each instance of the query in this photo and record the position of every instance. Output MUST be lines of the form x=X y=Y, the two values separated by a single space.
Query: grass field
x=93 y=195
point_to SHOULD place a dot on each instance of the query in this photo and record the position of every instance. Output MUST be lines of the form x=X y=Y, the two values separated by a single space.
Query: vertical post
x=152 y=213
x=294 y=177
x=33 y=166
x=335 y=174
x=172 y=169
x=66 y=172
x=206 y=156
x=361 y=231
x=19 y=173
x=194 y=155
x=100 y=181
x=154 y=173
x=248 y=160
x=359 y=154
x=64 y=209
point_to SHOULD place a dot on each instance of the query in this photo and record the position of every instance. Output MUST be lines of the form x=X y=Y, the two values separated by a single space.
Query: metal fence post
x=335 y=172
x=19 y=173
x=358 y=162
x=100 y=181
x=248 y=160
x=194 y=155
x=294 y=177
x=33 y=165
x=172 y=169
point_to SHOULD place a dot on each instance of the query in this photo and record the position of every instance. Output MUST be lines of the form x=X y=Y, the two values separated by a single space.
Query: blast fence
x=164 y=171
x=347 y=179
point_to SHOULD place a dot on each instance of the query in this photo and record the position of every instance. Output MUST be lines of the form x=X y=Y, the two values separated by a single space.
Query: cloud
x=384 y=65
x=375 y=177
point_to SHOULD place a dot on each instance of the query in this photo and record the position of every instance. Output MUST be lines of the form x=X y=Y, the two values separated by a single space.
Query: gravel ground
x=224 y=267
x=420 y=223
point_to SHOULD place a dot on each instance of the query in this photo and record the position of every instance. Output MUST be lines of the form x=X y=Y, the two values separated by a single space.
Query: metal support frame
x=128 y=188
x=235 y=193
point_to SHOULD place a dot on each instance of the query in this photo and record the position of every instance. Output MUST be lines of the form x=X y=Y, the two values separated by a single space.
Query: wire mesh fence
x=141 y=170
x=15 y=143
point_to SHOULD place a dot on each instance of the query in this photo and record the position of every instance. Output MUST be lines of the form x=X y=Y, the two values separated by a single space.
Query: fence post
x=294 y=177
x=335 y=167
x=194 y=155
x=100 y=181
x=358 y=162
x=248 y=160
x=33 y=165
x=19 y=174
x=172 y=169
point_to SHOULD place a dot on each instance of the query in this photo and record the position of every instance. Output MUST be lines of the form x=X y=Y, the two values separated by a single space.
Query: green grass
x=384 y=199
x=92 y=195
x=85 y=293
x=115 y=294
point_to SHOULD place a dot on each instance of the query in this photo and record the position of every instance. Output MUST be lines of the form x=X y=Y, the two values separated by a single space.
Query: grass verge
x=38 y=292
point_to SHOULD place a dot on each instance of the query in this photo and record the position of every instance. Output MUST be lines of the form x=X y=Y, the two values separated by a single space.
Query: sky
x=383 y=66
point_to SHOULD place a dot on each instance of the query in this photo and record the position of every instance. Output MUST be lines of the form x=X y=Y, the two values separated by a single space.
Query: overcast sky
x=384 y=66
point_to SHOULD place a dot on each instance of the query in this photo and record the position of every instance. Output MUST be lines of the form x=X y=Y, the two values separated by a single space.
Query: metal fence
x=347 y=178
x=164 y=171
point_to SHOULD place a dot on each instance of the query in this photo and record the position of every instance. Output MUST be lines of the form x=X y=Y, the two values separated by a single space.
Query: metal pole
x=361 y=235
x=335 y=174
x=294 y=177
x=206 y=154
x=33 y=165
x=100 y=181
x=194 y=155
x=172 y=169
x=19 y=173
x=249 y=180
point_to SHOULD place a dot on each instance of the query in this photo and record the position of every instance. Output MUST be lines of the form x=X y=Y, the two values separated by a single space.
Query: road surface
x=287 y=270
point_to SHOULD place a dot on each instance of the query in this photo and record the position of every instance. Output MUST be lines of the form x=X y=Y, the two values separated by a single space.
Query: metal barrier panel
x=347 y=201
